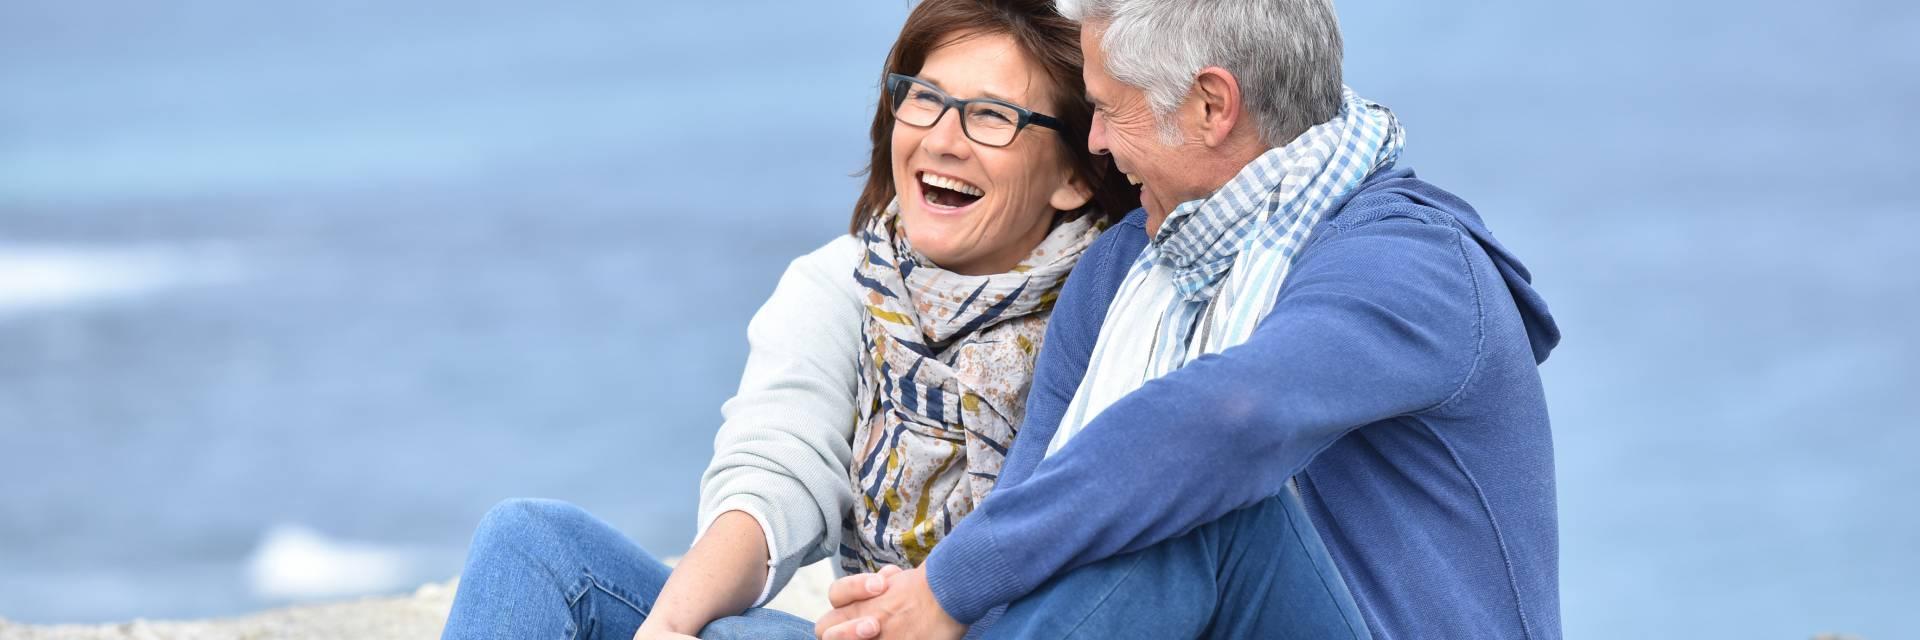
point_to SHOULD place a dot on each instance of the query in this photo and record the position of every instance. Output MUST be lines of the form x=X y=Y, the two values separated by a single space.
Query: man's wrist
x=966 y=572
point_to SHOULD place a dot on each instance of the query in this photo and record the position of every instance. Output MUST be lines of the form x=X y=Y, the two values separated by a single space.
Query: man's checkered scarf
x=1215 y=267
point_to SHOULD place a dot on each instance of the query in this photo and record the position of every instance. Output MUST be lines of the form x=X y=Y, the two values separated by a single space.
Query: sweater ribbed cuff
x=967 y=573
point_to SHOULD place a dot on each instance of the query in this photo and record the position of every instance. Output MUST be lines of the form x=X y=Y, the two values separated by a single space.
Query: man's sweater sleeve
x=1375 y=321
x=783 y=447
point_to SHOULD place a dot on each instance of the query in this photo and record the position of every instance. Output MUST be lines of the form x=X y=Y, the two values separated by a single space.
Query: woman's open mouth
x=947 y=194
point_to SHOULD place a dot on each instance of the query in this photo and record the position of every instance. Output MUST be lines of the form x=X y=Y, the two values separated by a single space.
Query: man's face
x=1124 y=126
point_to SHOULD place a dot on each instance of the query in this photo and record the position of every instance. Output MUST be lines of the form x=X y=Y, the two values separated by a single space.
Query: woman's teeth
x=951 y=184
x=1133 y=180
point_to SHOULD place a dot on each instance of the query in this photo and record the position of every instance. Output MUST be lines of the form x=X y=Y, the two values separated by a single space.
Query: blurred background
x=290 y=293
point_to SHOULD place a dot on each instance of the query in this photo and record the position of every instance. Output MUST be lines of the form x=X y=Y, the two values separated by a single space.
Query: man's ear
x=1072 y=194
x=1216 y=104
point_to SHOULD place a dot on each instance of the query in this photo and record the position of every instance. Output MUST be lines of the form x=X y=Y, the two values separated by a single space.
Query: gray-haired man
x=1290 y=305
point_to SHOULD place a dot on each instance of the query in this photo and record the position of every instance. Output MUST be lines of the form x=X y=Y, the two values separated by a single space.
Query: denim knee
x=531 y=513
x=527 y=527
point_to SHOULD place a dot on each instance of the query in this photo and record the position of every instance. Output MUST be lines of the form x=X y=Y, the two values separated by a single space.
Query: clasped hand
x=893 y=603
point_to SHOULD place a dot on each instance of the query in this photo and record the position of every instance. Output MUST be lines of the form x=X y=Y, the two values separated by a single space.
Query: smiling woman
x=889 y=370
x=978 y=190
x=1035 y=67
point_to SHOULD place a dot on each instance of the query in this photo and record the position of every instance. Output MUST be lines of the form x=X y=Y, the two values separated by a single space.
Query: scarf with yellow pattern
x=947 y=359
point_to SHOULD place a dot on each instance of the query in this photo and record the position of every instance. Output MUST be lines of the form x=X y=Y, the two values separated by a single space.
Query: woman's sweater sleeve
x=782 y=451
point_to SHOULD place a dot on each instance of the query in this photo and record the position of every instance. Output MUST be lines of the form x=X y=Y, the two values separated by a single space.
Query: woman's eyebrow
x=936 y=83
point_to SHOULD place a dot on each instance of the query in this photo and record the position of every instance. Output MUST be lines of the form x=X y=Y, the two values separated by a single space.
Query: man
x=1289 y=305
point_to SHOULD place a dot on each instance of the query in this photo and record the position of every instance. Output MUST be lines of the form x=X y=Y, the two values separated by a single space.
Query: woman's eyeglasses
x=985 y=120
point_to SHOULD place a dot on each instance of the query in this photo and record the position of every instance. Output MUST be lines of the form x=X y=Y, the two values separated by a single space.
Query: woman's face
x=971 y=208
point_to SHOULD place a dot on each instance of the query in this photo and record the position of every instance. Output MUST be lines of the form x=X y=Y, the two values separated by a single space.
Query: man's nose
x=1097 y=136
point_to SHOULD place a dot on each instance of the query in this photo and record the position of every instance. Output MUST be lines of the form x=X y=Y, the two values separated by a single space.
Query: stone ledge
x=418 y=616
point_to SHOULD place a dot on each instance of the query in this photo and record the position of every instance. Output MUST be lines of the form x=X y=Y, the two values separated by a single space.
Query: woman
x=888 y=371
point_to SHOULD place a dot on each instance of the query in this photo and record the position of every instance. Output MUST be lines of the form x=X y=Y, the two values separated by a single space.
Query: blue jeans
x=546 y=569
x=1260 y=572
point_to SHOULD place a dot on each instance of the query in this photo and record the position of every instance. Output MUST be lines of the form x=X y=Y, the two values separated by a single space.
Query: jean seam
x=1103 y=599
x=618 y=594
x=577 y=593
x=1325 y=584
x=589 y=583
x=579 y=588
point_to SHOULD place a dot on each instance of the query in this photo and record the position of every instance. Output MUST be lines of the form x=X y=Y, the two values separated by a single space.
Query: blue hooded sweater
x=1396 y=379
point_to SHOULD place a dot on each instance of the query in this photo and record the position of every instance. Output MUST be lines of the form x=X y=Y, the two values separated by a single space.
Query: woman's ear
x=1072 y=194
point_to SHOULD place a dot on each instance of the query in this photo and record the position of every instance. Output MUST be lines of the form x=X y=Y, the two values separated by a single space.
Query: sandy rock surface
x=410 y=617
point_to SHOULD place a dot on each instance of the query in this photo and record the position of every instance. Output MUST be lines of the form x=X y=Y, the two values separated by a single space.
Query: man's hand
x=852 y=589
x=860 y=586
x=902 y=607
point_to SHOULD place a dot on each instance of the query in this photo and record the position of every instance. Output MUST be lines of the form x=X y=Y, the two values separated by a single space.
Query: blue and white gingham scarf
x=1215 y=267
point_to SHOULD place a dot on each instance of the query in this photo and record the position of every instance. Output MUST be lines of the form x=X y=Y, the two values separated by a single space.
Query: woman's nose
x=946 y=137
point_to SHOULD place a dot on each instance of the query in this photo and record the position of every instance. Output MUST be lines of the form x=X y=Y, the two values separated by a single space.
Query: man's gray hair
x=1284 y=53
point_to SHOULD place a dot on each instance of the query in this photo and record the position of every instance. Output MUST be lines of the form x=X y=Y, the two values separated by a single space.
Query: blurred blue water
x=369 y=267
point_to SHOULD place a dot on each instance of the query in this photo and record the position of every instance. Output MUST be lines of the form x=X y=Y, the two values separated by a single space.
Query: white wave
x=294 y=562
x=45 y=276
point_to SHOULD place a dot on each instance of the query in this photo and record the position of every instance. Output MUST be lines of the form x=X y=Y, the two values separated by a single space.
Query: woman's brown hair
x=1047 y=38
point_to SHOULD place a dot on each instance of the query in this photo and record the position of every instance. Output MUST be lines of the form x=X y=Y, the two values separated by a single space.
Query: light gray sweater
x=785 y=441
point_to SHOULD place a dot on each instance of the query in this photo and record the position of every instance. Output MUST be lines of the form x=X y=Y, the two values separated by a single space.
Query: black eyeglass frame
x=896 y=81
